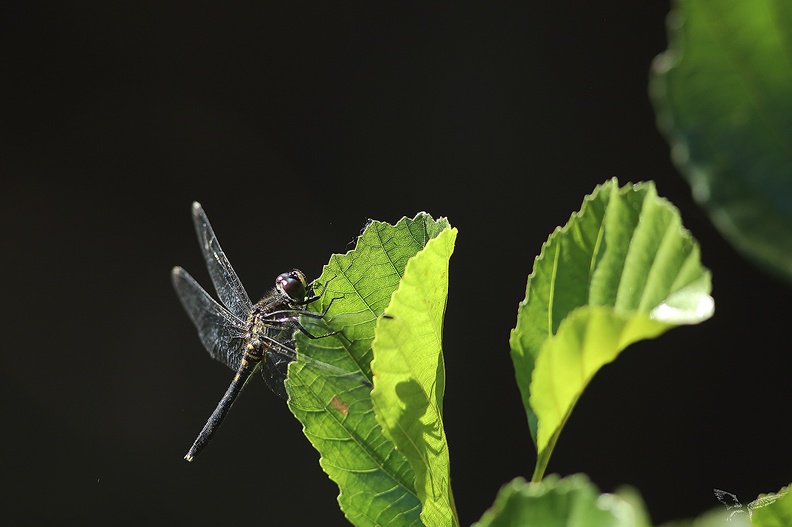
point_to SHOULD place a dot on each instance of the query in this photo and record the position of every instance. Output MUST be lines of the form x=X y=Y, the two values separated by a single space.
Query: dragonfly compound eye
x=292 y=284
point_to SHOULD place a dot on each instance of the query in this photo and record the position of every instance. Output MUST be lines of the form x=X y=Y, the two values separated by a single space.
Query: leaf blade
x=409 y=376
x=772 y=510
x=621 y=270
x=721 y=96
x=376 y=482
x=564 y=502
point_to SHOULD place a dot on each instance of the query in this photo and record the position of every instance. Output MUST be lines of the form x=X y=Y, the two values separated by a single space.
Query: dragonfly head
x=292 y=285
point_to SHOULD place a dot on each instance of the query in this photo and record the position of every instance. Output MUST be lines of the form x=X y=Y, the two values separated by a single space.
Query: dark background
x=292 y=126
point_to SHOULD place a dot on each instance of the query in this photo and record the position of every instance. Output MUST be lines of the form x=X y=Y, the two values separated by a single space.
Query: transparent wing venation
x=220 y=331
x=229 y=287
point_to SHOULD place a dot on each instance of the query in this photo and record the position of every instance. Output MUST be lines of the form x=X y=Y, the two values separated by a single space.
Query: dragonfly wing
x=727 y=498
x=324 y=381
x=226 y=282
x=221 y=332
x=274 y=370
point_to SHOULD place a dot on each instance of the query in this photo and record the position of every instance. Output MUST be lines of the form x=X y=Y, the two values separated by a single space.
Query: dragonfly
x=244 y=336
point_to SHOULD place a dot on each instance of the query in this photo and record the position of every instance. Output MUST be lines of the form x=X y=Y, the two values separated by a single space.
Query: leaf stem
x=543 y=457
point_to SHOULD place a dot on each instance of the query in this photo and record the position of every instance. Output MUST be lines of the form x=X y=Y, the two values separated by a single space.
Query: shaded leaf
x=723 y=97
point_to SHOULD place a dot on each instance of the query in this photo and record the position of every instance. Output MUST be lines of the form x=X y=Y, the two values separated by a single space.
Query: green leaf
x=621 y=270
x=723 y=97
x=715 y=518
x=334 y=403
x=768 y=510
x=772 y=510
x=554 y=502
x=409 y=376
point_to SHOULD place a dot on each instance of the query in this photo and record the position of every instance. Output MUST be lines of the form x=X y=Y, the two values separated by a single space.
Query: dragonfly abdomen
x=250 y=361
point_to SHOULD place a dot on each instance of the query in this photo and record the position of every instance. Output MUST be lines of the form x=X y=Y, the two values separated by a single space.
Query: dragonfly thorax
x=271 y=320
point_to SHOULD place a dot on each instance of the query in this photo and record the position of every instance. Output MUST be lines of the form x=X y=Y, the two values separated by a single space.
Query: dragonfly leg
x=312 y=297
x=292 y=314
x=309 y=334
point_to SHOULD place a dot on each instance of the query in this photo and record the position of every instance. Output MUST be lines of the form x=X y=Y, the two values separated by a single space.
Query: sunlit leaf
x=409 y=376
x=772 y=510
x=376 y=481
x=714 y=518
x=621 y=270
x=554 y=502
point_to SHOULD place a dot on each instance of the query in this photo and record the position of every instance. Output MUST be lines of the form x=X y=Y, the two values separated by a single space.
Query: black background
x=293 y=125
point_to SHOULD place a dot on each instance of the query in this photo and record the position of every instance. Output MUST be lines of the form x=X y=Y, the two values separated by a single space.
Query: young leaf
x=376 y=481
x=564 y=502
x=722 y=97
x=621 y=270
x=409 y=376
